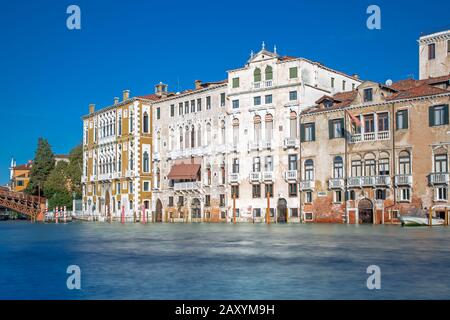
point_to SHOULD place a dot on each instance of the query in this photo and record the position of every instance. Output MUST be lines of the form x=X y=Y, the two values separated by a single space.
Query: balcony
x=368 y=181
x=187 y=186
x=266 y=145
x=354 y=182
x=268 y=83
x=115 y=175
x=403 y=180
x=255 y=177
x=254 y=146
x=370 y=136
x=290 y=143
x=156 y=156
x=93 y=177
x=267 y=176
x=383 y=181
x=438 y=178
x=291 y=175
x=307 y=185
x=129 y=174
x=263 y=84
x=336 y=184
x=234 y=178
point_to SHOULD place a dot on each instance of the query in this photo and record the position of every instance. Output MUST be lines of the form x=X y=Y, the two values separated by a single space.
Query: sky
x=50 y=74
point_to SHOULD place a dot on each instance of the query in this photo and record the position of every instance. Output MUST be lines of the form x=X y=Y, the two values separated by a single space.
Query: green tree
x=75 y=169
x=56 y=188
x=43 y=164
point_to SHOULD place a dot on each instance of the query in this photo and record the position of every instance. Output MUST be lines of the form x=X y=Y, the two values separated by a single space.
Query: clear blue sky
x=49 y=74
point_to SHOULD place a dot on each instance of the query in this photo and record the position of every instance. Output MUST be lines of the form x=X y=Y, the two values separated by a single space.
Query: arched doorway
x=196 y=211
x=158 y=213
x=282 y=211
x=365 y=211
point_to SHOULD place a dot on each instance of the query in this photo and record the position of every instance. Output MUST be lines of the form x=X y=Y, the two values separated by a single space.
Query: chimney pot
x=198 y=84
x=91 y=108
x=126 y=94
x=116 y=100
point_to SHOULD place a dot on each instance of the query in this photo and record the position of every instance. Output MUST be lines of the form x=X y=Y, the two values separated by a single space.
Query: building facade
x=434 y=55
x=19 y=175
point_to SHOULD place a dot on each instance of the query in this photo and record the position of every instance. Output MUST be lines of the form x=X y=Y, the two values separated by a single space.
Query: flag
x=354 y=119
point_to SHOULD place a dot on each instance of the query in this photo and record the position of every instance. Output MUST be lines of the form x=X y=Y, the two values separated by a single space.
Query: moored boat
x=411 y=221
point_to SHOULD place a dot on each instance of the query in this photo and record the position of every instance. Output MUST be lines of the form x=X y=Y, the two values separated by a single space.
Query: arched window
x=199 y=136
x=146 y=162
x=131 y=161
x=369 y=165
x=119 y=163
x=404 y=163
x=146 y=124
x=338 y=168
x=119 y=129
x=383 y=167
x=181 y=138
x=193 y=137
x=186 y=138
x=158 y=178
x=257 y=128
x=208 y=134
x=222 y=132
x=309 y=170
x=257 y=75
x=440 y=163
x=269 y=127
x=235 y=132
x=269 y=73
x=356 y=168
x=172 y=140
x=293 y=125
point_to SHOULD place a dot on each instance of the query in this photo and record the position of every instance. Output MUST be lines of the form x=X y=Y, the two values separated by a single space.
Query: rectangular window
x=404 y=194
x=199 y=105
x=380 y=194
x=343 y=85
x=207 y=200
x=158 y=113
x=235 y=82
x=146 y=186
x=268 y=190
x=172 y=110
x=130 y=190
x=308 y=197
x=402 y=119
x=448 y=46
x=332 y=82
x=368 y=95
x=256 y=191
x=257 y=212
x=293 y=73
x=441 y=194
x=222 y=200
x=369 y=123
x=338 y=196
x=307 y=132
x=181 y=201
x=292 y=190
x=235 y=104
x=383 y=122
x=294 y=212
x=336 y=128
x=268 y=164
x=208 y=103
x=256 y=101
x=180 y=109
x=186 y=107
x=256 y=164
x=235 y=191
x=222 y=99
x=192 y=106
x=308 y=216
x=268 y=99
x=438 y=115
x=292 y=162
x=431 y=51
x=235 y=166
x=170 y=201
x=292 y=95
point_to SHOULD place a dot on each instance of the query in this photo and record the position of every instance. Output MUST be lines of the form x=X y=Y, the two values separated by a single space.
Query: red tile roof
x=411 y=83
x=420 y=91
x=153 y=97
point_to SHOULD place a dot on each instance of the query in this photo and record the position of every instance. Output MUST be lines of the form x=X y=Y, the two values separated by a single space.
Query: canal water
x=216 y=261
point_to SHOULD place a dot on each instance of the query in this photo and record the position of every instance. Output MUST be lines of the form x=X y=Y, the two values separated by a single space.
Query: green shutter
x=446 y=114
x=235 y=82
x=431 y=116
x=293 y=72
x=313 y=132
x=302 y=132
x=330 y=129
x=405 y=119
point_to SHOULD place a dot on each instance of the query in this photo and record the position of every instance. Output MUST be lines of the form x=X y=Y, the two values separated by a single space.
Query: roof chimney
x=356 y=76
x=198 y=84
x=126 y=94
x=91 y=108
x=116 y=100
x=161 y=89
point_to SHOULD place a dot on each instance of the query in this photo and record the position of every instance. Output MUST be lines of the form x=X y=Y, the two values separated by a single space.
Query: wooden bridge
x=31 y=206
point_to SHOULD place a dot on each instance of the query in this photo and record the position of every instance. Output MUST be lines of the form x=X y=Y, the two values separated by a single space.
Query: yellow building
x=20 y=176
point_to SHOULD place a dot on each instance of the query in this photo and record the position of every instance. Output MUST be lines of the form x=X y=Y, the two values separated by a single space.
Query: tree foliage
x=75 y=169
x=43 y=164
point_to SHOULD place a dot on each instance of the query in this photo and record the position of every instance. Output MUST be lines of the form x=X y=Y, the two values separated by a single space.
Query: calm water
x=222 y=261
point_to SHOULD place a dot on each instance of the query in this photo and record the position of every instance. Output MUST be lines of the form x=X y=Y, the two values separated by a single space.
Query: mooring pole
x=430 y=217
x=268 y=209
x=446 y=217
x=234 y=208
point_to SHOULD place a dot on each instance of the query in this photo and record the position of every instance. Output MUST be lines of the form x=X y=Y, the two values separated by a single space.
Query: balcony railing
x=368 y=181
x=187 y=186
x=255 y=145
x=290 y=143
x=337 y=183
x=354 y=182
x=438 y=178
x=403 y=180
x=128 y=173
x=291 y=175
x=370 y=136
x=234 y=178
x=268 y=83
x=255 y=177
x=307 y=185
x=156 y=156
x=267 y=176
x=384 y=181
x=267 y=145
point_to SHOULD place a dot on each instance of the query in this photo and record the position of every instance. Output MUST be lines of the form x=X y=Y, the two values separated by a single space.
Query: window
x=369 y=123
x=402 y=119
x=338 y=196
x=269 y=190
x=256 y=101
x=180 y=109
x=222 y=99
x=438 y=115
x=332 y=82
x=268 y=99
x=269 y=73
x=180 y=200
x=404 y=194
x=119 y=130
x=431 y=51
x=448 y=46
x=208 y=103
x=292 y=95
x=292 y=162
x=350 y=195
x=294 y=212
x=309 y=170
x=235 y=132
x=441 y=194
x=292 y=189
x=146 y=186
x=256 y=191
x=336 y=128
x=369 y=168
x=186 y=107
x=192 y=106
x=158 y=113
x=235 y=191
x=380 y=194
x=146 y=162
x=383 y=167
x=308 y=197
x=235 y=104
x=145 y=126
x=257 y=75
x=338 y=168
x=356 y=168
x=170 y=201
x=440 y=163
x=268 y=164
x=235 y=166
x=235 y=83
x=293 y=125
x=383 y=122
x=343 y=85
x=368 y=95
x=293 y=73
x=307 y=132
x=257 y=212
x=404 y=163
x=222 y=200
x=256 y=164
x=130 y=189
x=207 y=200
x=269 y=127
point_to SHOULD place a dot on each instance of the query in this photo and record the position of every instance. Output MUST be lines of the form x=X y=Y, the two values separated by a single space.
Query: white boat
x=410 y=221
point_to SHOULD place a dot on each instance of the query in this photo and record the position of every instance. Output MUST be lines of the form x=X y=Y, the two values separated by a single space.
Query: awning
x=184 y=171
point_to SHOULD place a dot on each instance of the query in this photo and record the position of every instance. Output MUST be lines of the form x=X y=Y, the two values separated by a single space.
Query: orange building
x=20 y=175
